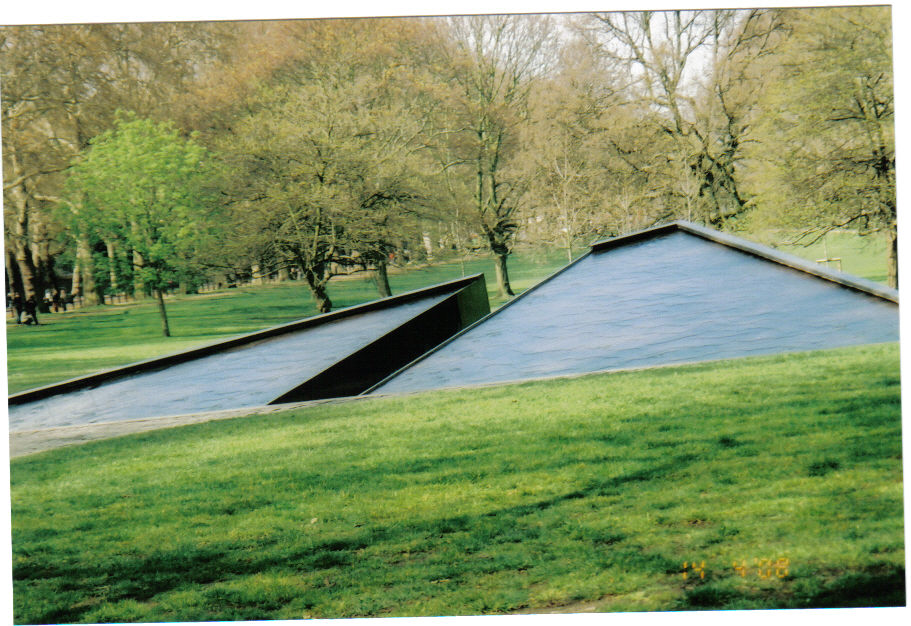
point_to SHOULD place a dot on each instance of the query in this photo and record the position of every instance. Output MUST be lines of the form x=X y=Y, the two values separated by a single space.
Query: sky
x=56 y=11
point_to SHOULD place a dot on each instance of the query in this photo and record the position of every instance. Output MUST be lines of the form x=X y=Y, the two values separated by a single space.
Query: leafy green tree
x=144 y=185
x=828 y=151
x=62 y=85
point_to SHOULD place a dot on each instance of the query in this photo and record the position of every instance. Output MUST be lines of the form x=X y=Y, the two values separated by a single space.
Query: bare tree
x=565 y=148
x=666 y=55
x=494 y=63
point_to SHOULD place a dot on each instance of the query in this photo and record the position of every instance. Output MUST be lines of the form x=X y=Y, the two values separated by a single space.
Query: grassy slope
x=88 y=340
x=483 y=501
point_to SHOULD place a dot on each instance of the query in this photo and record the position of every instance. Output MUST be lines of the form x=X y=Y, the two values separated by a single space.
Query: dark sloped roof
x=336 y=354
x=672 y=294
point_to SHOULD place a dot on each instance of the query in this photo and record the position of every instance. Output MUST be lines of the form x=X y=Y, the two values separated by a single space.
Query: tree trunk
x=25 y=263
x=257 y=277
x=47 y=265
x=503 y=286
x=139 y=286
x=112 y=263
x=86 y=267
x=166 y=331
x=76 y=286
x=15 y=278
x=893 y=258
x=21 y=232
x=43 y=260
x=39 y=278
x=26 y=270
x=318 y=291
x=381 y=278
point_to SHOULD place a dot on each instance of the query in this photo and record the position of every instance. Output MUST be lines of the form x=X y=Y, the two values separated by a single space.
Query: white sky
x=50 y=11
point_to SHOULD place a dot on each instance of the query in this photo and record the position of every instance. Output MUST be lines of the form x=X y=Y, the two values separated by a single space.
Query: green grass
x=861 y=256
x=87 y=340
x=524 y=497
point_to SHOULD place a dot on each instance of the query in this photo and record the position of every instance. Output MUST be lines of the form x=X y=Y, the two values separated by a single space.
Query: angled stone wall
x=340 y=353
x=669 y=295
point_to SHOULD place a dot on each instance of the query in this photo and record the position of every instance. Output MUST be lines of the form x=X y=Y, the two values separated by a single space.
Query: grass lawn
x=860 y=256
x=87 y=340
x=780 y=477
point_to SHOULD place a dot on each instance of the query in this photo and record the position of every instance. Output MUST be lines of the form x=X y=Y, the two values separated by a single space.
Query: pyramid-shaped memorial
x=672 y=294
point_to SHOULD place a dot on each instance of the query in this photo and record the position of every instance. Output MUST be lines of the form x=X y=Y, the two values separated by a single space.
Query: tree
x=708 y=119
x=145 y=186
x=37 y=143
x=324 y=165
x=583 y=186
x=61 y=86
x=494 y=62
x=829 y=149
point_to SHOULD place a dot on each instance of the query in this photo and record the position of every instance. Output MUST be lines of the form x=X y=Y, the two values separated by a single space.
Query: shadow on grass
x=873 y=586
x=141 y=577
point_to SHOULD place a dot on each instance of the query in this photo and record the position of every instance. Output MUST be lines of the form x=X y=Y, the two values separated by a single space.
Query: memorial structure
x=672 y=294
x=337 y=354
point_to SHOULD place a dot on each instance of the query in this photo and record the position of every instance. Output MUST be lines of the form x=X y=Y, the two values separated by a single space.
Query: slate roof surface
x=665 y=298
x=246 y=375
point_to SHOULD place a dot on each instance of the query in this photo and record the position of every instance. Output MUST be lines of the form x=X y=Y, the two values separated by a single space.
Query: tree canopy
x=347 y=145
x=327 y=158
x=144 y=186
x=829 y=157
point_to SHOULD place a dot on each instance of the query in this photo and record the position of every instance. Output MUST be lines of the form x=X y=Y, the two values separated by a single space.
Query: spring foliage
x=143 y=186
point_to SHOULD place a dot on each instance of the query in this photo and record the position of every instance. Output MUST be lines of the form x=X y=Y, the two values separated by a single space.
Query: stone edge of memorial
x=360 y=370
x=748 y=247
x=457 y=286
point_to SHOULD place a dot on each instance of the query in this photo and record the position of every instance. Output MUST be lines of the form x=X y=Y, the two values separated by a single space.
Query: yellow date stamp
x=761 y=568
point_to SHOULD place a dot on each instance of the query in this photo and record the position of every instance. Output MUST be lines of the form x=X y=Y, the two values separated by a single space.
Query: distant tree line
x=139 y=158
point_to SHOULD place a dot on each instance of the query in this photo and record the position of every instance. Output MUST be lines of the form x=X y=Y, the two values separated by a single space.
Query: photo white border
x=75 y=11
